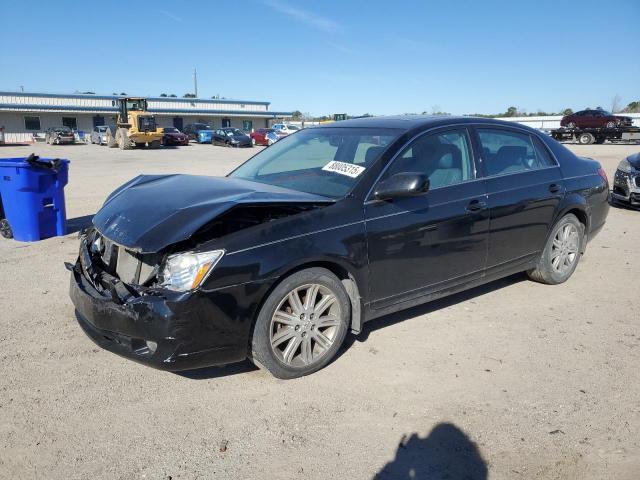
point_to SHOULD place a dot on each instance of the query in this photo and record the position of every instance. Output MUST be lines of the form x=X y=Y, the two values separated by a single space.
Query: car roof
x=411 y=122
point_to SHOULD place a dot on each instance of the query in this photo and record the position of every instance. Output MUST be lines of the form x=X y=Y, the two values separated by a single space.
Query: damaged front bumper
x=626 y=187
x=158 y=327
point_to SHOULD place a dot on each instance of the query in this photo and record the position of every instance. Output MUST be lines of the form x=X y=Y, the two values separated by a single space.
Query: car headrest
x=512 y=151
x=450 y=157
x=372 y=154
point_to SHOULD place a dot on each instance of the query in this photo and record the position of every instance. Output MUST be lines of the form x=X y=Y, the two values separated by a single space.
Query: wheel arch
x=344 y=273
x=576 y=205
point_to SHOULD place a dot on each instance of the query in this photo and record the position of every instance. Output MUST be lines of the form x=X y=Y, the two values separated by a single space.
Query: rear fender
x=573 y=203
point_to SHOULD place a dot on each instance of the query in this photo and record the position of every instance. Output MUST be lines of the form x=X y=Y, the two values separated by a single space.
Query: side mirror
x=407 y=184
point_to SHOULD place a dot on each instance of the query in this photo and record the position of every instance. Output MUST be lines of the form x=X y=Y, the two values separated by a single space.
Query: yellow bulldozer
x=134 y=126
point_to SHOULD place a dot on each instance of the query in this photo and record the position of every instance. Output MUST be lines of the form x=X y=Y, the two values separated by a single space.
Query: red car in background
x=594 y=119
x=173 y=136
x=259 y=137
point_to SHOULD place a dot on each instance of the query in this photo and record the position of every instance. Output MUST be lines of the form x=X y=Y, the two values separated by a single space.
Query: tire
x=5 y=229
x=123 y=140
x=586 y=139
x=140 y=145
x=296 y=337
x=599 y=140
x=155 y=144
x=111 y=140
x=567 y=249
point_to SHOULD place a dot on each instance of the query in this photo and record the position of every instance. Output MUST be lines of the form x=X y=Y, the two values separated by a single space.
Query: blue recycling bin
x=32 y=197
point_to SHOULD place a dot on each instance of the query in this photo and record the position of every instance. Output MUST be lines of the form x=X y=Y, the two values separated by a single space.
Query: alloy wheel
x=305 y=325
x=564 y=250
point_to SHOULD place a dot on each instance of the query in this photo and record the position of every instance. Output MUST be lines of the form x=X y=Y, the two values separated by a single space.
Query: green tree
x=511 y=112
x=173 y=95
x=163 y=94
x=567 y=111
x=297 y=115
x=189 y=95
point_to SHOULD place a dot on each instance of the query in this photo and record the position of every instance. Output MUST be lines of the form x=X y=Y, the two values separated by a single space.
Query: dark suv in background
x=594 y=119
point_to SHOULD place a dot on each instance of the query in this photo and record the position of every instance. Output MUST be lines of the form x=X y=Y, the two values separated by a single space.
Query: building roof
x=115 y=97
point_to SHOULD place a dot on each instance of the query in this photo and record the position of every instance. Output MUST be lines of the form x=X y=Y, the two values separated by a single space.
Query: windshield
x=201 y=126
x=136 y=105
x=323 y=161
x=171 y=130
x=62 y=130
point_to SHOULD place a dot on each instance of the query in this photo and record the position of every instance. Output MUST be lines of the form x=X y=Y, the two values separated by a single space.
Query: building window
x=247 y=125
x=32 y=123
x=226 y=122
x=70 y=122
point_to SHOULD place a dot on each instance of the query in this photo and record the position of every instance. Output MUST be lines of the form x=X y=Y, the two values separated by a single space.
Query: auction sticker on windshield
x=348 y=169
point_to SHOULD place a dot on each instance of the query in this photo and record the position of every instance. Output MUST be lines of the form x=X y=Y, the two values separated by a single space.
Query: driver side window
x=444 y=157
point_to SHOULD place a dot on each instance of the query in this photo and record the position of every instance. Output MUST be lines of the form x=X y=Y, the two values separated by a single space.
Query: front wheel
x=302 y=324
x=562 y=252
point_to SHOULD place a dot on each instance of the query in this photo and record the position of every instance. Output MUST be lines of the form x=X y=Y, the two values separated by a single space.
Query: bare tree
x=615 y=103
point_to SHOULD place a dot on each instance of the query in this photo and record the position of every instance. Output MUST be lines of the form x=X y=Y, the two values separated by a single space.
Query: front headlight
x=187 y=271
x=625 y=166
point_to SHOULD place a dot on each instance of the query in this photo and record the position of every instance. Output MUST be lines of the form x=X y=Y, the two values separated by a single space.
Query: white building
x=24 y=114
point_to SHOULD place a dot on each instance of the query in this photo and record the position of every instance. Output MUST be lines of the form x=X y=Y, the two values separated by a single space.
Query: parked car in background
x=283 y=130
x=594 y=119
x=99 y=135
x=325 y=230
x=173 y=136
x=231 y=137
x=272 y=137
x=200 y=132
x=259 y=136
x=626 y=183
x=59 y=135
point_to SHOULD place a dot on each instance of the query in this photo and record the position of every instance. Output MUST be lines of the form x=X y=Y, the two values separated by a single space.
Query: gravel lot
x=511 y=380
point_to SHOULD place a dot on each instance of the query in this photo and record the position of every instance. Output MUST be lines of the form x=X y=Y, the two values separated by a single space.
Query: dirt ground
x=507 y=381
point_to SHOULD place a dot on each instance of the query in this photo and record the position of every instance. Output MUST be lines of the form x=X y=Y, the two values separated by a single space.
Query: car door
x=525 y=187
x=423 y=244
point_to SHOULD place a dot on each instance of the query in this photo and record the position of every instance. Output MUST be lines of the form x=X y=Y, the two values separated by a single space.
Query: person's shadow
x=446 y=453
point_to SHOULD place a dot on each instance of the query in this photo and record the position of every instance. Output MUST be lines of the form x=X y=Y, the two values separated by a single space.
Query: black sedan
x=231 y=137
x=325 y=230
x=59 y=135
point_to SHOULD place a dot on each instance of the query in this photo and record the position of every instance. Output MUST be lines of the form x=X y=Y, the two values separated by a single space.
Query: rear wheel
x=600 y=140
x=302 y=324
x=5 y=229
x=586 y=138
x=562 y=252
x=140 y=145
x=155 y=144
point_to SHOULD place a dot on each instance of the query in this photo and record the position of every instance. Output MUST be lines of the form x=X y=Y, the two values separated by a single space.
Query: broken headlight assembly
x=187 y=271
x=625 y=166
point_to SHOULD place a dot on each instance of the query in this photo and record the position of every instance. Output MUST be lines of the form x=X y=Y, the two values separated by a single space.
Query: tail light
x=603 y=175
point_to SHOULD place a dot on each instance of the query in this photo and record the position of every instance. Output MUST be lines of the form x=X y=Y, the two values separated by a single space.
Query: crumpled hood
x=151 y=212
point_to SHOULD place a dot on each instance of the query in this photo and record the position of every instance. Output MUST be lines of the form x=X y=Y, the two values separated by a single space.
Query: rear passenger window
x=507 y=152
x=444 y=157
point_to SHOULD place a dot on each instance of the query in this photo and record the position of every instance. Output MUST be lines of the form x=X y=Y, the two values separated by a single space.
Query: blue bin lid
x=22 y=162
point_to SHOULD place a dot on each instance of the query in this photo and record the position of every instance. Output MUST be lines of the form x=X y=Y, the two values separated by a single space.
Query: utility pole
x=195 y=82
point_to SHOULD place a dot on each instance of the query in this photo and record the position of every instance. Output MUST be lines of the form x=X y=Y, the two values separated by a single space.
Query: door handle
x=476 y=206
x=555 y=188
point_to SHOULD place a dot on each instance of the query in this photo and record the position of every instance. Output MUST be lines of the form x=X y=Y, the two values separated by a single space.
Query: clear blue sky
x=332 y=56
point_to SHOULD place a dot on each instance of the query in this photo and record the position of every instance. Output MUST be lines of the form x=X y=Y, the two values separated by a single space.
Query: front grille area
x=128 y=266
